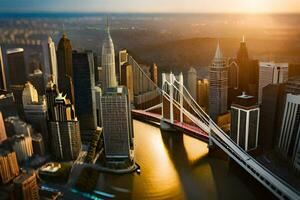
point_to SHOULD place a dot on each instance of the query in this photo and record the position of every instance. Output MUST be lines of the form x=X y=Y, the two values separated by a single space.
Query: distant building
x=218 y=83
x=84 y=86
x=50 y=61
x=192 y=82
x=65 y=130
x=98 y=94
x=65 y=67
x=7 y=104
x=23 y=147
x=108 y=60
x=245 y=122
x=271 y=106
x=26 y=187
x=17 y=91
x=35 y=109
x=2 y=73
x=51 y=94
x=289 y=140
x=233 y=74
x=16 y=63
x=294 y=70
x=127 y=79
x=202 y=93
x=37 y=80
x=123 y=58
x=9 y=167
x=2 y=129
x=154 y=73
x=271 y=73
x=38 y=144
x=16 y=126
x=117 y=125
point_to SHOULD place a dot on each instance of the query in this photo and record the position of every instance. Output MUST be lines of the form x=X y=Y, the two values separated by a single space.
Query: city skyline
x=165 y=6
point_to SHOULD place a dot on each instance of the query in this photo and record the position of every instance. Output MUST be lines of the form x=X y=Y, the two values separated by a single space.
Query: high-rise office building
x=154 y=73
x=2 y=72
x=9 y=167
x=26 y=187
x=243 y=74
x=98 y=94
x=271 y=73
x=38 y=144
x=65 y=67
x=23 y=147
x=117 y=125
x=245 y=122
x=84 y=86
x=35 y=109
x=37 y=80
x=123 y=58
x=202 y=93
x=127 y=79
x=2 y=129
x=108 y=60
x=16 y=126
x=192 y=82
x=51 y=94
x=218 y=83
x=17 y=91
x=50 y=61
x=271 y=107
x=289 y=140
x=65 y=130
x=7 y=104
x=294 y=70
x=16 y=63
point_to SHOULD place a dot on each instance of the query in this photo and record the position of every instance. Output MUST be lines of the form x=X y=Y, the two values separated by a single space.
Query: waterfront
x=174 y=166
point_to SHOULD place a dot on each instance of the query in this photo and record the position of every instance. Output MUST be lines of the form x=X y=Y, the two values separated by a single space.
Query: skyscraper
x=289 y=140
x=7 y=104
x=108 y=60
x=23 y=147
x=84 y=85
x=127 y=79
x=117 y=124
x=192 y=82
x=35 y=109
x=26 y=187
x=38 y=81
x=2 y=72
x=65 y=67
x=123 y=58
x=16 y=63
x=2 y=129
x=65 y=130
x=50 y=61
x=154 y=73
x=218 y=83
x=271 y=73
x=271 y=107
x=202 y=93
x=9 y=167
x=245 y=122
x=98 y=94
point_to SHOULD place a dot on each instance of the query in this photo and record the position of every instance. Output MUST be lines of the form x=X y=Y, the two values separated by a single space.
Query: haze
x=165 y=6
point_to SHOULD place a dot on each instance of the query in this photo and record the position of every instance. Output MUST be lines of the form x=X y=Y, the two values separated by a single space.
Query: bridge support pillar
x=162 y=86
x=171 y=98
x=181 y=96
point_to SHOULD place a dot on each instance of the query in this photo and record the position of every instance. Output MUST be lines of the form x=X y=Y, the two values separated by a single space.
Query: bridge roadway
x=184 y=127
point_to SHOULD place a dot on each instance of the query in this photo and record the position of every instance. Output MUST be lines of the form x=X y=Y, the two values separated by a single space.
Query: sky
x=162 y=6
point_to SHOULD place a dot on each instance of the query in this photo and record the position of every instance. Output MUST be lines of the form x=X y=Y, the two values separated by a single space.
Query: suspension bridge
x=176 y=109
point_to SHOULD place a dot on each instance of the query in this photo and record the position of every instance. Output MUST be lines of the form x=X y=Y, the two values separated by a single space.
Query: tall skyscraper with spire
x=218 y=83
x=2 y=72
x=50 y=61
x=108 y=60
x=65 y=68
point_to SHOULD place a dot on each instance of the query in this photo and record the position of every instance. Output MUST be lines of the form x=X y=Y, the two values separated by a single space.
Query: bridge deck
x=184 y=127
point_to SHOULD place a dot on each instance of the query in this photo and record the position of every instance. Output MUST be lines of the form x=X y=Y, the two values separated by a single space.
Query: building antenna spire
x=243 y=40
x=64 y=30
